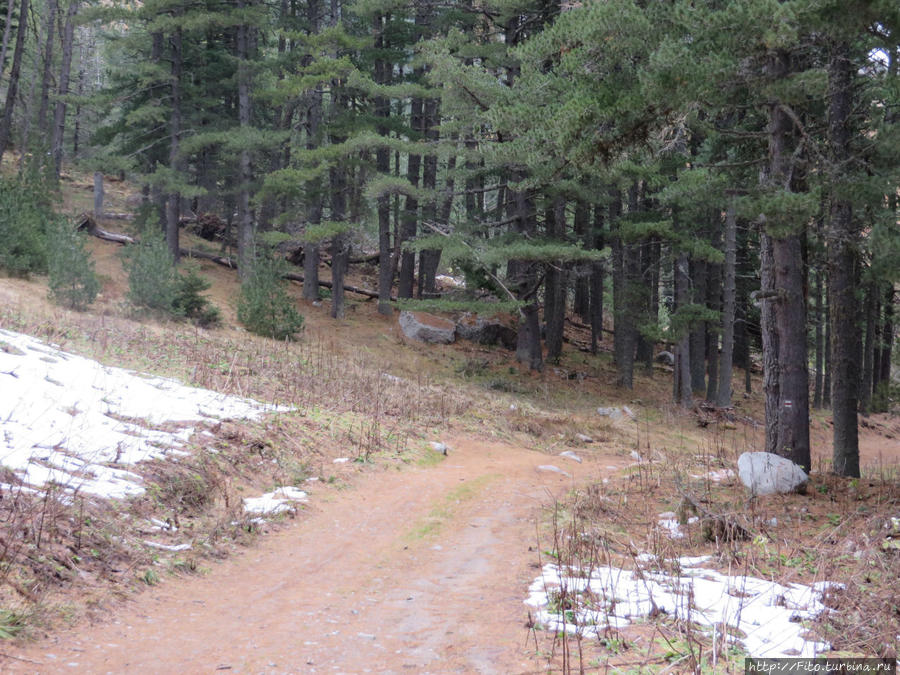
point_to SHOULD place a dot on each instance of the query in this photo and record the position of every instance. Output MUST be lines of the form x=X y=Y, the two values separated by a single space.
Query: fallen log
x=87 y=223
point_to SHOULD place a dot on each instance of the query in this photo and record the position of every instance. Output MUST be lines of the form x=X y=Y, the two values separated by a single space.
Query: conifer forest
x=710 y=177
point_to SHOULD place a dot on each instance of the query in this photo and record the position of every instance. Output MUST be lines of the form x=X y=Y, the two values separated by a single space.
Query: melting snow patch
x=769 y=615
x=65 y=418
x=168 y=547
x=275 y=502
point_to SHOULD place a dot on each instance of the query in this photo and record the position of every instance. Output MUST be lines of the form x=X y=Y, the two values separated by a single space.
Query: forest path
x=422 y=570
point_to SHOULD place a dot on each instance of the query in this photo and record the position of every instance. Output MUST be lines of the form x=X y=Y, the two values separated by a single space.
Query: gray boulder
x=427 y=328
x=485 y=332
x=765 y=474
x=666 y=358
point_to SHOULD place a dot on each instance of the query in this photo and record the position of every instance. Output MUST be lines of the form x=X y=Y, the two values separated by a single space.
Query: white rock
x=568 y=454
x=613 y=413
x=584 y=438
x=765 y=474
x=427 y=327
x=439 y=447
x=168 y=547
x=552 y=469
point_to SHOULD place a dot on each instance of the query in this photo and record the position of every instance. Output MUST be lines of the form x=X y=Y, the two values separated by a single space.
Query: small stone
x=584 y=438
x=439 y=447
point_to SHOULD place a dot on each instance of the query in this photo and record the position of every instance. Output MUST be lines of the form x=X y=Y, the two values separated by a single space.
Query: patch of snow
x=568 y=454
x=341 y=460
x=770 y=615
x=272 y=503
x=65 y=418
x=584 y=438
x=672 y=527
x=168 y=547
x=636 y=456
x=716 y=476
x=439 y=447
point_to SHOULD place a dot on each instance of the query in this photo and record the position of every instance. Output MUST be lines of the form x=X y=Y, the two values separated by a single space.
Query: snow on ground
x=272 y=503
x=72 y=421
x=768 y=615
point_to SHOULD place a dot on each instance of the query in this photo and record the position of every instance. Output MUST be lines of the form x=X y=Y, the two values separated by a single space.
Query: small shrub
x=24 y=213
x=152 y=282
x=189 y=302
x=264 y=306
x=73 y=282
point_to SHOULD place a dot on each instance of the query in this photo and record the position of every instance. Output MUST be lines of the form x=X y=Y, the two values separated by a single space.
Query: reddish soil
x=420 y=570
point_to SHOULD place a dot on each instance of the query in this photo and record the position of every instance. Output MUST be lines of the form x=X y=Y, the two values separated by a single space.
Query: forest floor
x=403 y=559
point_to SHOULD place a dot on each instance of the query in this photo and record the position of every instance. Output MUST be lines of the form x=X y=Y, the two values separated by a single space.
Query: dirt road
x=416 y=571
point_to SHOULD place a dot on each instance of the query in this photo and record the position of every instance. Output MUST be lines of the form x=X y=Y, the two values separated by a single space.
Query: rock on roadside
x=765 y=474
x=427 y=328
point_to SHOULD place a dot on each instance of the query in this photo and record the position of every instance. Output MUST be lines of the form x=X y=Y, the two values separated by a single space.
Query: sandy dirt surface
x=422 y=570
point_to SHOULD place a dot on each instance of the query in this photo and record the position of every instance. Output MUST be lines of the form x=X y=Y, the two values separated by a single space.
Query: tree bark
x=819 y=310
x=598 y=271
x=246 y=234
x=173 y=203
x=407 y=275
x=555 y=284
x=787 y=283
x=65 y=68
x=13 y=86
x=870 y=310
x=383 y=166
x=771 y=365
x=47 y=75
x=682 y=391
x=843 y=274
x=726 y=358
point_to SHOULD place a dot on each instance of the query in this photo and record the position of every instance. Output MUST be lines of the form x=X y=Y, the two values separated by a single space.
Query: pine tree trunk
x=173 y=203
x=887 y=332
x=7 y=29
x=409 y=226
x=681 y=385
x=624 y=337
x=598 y=270
x=714 y=302
x=340 y=248
x=383 y=166
x=698 y=331
x=65 y=68
x=819 y=339
x=429 y=259
x=50 y=28
x=843 y=275
x=726 y=358
x=246 y=235
x=787 y=286
x=768 y=312
x=866 y=378
x=555 y=285
x=13 y=86
x=581 y=305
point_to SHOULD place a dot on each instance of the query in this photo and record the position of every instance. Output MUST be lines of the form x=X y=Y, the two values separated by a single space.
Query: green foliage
x=73 y=282
x=152 y=282
x=264 y=306
x=24 y=214
x=189 y=302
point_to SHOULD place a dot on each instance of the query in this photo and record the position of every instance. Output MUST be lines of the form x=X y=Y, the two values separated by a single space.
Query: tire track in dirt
x=416 y=571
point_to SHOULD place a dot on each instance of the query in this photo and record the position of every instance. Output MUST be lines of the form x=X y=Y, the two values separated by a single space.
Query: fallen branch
x=87 y=223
